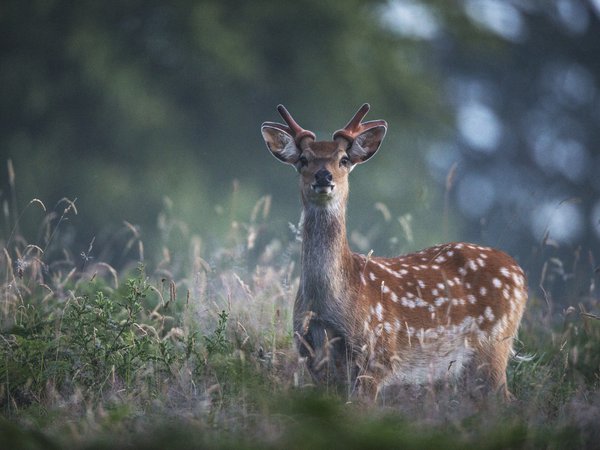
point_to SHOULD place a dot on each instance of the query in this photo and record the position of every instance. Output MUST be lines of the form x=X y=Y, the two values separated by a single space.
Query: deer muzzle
x=323 y=182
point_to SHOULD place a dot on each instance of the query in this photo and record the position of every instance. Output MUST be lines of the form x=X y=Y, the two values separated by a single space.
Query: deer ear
x=281 y=144
x=366 y=143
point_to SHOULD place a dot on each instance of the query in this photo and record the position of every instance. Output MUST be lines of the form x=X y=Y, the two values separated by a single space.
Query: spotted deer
x=449 y=312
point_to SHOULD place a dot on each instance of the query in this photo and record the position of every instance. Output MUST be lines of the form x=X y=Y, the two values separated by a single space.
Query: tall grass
x=194 y=349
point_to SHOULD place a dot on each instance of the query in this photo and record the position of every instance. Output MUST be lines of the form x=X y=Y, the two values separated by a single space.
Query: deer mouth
x=323 y=189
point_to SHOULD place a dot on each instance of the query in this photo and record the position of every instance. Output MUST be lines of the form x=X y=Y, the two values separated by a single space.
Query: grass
x=196 y=351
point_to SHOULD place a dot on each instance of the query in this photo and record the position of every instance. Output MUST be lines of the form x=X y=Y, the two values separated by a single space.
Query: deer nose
x=323 y=177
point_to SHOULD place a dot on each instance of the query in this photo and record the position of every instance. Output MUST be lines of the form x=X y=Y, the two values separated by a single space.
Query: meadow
x=194 y=349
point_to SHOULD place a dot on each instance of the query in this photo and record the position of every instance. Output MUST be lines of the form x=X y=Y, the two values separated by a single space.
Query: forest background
x=149 y=239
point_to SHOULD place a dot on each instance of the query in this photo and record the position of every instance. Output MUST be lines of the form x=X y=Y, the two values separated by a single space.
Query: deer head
x=324 y=166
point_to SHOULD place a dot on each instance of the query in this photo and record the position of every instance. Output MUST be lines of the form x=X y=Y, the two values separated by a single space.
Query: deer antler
x=355 y=127
x=292 y=127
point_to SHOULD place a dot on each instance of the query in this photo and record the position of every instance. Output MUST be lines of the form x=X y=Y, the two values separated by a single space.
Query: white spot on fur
x=471 y=298
x=372 y=276
x=379 y=311
x=421 y=303
x=394 y=297
x=497 y=283
x=482 y=290
x=388 y=270
x=518 y=279
x=408 y=303
x=518 y=294
x=440 y=301
x=489 y=315
x=505 y=272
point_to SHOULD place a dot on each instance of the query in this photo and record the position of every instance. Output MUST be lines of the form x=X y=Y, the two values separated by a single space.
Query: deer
x=443 y=314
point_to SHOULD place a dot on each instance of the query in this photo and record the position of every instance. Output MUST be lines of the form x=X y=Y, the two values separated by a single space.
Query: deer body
x=448 y=312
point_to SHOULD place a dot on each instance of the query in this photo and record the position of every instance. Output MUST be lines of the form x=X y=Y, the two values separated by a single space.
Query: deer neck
x=326 y=257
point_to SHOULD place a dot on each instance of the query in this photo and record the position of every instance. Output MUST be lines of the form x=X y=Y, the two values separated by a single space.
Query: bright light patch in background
x=570 y=158
x=563 y=221
x=440 y=158
x=573 y=15
x=572 y=84
x=595 y=169
x=476 y=195
x=479 y=126
x=410 y=18
x=595 y=218
x=558 y=155
x=499 y=17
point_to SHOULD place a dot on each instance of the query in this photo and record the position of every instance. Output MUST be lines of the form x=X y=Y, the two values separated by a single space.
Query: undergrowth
x=196 y=350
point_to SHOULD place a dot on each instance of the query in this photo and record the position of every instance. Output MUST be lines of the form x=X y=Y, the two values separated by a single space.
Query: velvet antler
x=292 y=128
x=355 y=127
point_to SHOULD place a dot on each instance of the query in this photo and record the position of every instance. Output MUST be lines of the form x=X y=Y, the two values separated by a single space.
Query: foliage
x=167 y=100
x=93 y=342
x=87 y=359
x=218 y=342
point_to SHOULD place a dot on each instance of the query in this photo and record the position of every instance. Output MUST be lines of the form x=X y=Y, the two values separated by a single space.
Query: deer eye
x=345 y=161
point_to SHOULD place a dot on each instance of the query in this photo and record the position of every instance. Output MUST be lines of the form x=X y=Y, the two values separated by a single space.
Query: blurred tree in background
x=522 y=80
x=121 y=104
x=124 y=104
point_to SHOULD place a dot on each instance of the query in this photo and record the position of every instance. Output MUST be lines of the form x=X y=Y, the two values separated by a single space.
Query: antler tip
x=294 y=129
x=364 y=109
